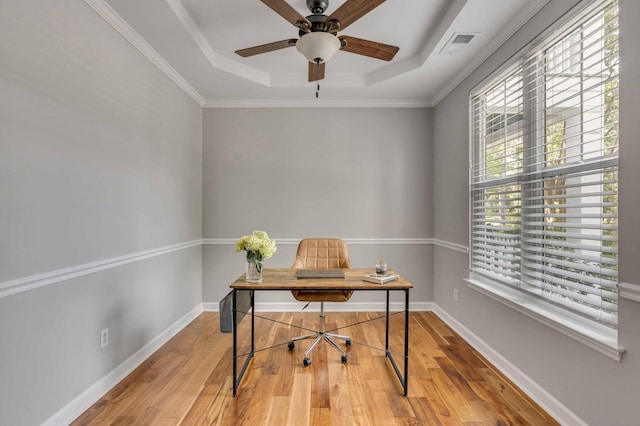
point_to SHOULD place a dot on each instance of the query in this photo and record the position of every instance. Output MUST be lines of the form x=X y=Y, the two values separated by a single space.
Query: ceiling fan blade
x=369 y=48
x=316 y=71
x=264 y=48
x=282 y=8
x=352 y=10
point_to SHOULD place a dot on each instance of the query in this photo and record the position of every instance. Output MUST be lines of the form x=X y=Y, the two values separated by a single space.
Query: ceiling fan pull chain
x=317 y=90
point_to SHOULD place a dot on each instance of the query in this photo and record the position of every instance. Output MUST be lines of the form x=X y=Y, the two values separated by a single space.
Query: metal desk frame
x=402 y=376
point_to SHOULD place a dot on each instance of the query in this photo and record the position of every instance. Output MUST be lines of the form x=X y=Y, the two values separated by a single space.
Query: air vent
x=457 y=42
x=462 y=38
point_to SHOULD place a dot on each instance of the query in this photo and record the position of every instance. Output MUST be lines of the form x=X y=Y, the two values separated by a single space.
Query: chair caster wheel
x=344 y=359
x=347 y=342
x=291 y=345
x=306 y=362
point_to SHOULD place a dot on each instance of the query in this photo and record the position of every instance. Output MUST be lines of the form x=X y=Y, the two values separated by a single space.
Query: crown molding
x=215 y=59
x=112 y=18
x=533 y=7
x=106 y=12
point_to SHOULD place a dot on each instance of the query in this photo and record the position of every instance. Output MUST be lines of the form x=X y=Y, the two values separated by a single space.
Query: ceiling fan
x=318 y=33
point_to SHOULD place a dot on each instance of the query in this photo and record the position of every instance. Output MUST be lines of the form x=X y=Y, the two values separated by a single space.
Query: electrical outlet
x=455 y=294
x=104 y=337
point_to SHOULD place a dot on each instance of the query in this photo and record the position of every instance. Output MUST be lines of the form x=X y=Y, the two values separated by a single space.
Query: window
x=544 y=170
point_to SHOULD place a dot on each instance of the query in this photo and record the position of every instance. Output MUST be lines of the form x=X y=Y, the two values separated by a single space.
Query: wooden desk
x=285 y=279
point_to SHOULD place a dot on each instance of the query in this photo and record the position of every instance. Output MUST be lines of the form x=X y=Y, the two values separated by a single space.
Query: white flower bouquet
x=258 y=246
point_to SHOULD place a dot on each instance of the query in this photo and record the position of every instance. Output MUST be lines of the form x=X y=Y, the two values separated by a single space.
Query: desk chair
x=321 y=253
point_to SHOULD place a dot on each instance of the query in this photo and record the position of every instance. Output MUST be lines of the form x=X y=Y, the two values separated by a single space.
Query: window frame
x=595 y=335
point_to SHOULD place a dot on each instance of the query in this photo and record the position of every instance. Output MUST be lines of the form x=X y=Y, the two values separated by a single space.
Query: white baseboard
x=330 y=307
x=543 y=398
x=86 y=399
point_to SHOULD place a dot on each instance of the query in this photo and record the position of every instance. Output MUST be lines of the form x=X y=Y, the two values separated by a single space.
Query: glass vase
x=254 y=271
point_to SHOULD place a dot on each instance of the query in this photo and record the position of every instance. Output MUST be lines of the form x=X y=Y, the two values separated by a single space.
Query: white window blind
x=544 y=172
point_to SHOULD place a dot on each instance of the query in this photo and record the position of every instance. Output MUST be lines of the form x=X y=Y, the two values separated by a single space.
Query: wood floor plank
x=300 y=407
x=341 y=414
x=124 y=405
x=518 y=408
x=320 y=416
x=320 y=392
x=338 y=378
x=278 y=411
x=455 y=399
x=373 y=338
x=208 y=407
x=458 y=380
x=466 y=360
x=439 y=326
x=188 y=381
x=380 y=404
x=423 y=411
x=439 y=406
x=358 y=398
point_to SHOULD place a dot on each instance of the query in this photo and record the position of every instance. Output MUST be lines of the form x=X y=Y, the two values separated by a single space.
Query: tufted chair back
x=322 y=253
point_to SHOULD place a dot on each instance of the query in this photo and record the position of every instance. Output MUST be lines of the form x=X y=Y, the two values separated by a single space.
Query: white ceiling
x=193 y=42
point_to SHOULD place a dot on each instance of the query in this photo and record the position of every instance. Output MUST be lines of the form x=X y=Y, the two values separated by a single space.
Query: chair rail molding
x=18 y=285
x=629 y=291
x=7 y=288
x=354 y=241
x=451 y=246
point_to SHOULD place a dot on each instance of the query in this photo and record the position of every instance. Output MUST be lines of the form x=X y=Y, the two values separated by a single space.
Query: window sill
x=593 y=335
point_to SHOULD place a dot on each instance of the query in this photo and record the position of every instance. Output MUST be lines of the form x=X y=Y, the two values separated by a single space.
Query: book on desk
x=380 y=279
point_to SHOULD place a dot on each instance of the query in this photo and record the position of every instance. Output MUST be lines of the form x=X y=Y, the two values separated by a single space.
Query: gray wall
x=599 y=390
x=100 y=156
x=349 y=173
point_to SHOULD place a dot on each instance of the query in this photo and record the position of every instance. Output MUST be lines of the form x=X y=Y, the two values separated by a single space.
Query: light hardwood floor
x=188 y=381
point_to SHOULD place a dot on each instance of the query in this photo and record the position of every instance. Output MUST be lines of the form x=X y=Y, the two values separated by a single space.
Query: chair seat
x=322 y=295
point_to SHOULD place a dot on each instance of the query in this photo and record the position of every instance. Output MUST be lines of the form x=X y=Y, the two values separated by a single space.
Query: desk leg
x=253 y=321
x=235 y=342
x=237 y=377
x=401 y=377
x=406 y=341
x=386 y=340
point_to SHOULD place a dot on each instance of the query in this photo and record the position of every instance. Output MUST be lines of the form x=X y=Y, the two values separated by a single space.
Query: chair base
x=321 y=335
x=318 y=337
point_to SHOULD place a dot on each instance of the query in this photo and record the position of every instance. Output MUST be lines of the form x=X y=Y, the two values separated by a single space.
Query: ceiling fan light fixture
x=318 y=47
